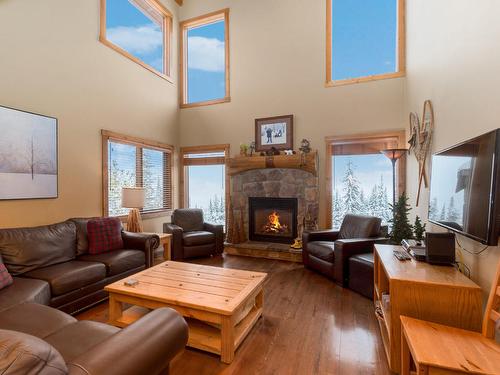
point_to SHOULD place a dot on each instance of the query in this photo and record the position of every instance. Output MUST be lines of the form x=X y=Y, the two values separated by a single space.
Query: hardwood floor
x=309 y=326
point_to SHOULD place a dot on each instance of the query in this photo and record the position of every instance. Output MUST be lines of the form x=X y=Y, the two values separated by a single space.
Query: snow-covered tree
x=442 y=216
x=337 y=210
x=452 y=214
x=433 y=208
x=352 y=191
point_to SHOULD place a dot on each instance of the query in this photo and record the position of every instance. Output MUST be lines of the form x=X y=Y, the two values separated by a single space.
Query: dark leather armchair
x=191 y=236
x=328 y=251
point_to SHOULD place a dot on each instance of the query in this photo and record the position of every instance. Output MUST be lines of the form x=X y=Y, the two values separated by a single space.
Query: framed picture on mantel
x=274 y=132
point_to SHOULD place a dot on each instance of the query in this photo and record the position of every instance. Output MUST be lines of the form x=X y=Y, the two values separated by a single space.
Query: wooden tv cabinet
x=438 y=294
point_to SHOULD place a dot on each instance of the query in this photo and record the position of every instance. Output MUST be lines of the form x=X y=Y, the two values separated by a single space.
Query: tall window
x=133 y=162
x=359 y=177
x=365 y=40
x=204 y=180
x=205 y=59
x=139 y=30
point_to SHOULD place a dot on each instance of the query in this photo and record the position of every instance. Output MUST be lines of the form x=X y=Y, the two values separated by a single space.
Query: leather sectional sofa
x=51 y=265
x=37 y=339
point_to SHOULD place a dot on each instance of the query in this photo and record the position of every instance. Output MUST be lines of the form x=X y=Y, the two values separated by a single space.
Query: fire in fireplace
x=273 y=219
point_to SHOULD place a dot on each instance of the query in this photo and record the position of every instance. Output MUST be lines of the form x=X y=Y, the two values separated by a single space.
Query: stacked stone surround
x=276 y=183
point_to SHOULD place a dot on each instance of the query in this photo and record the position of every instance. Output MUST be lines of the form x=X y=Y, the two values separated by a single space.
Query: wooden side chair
x=438 y=349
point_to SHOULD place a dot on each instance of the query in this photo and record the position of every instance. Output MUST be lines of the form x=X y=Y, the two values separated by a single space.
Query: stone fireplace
x=273 y=183
x=272 y=198
x=272 y=219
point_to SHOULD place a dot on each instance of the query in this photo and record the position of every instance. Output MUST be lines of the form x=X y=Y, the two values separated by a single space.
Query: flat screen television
x=464 y=194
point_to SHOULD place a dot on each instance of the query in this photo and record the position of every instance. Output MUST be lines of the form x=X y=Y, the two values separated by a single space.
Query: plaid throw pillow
x=104 y=235
x=5 y=278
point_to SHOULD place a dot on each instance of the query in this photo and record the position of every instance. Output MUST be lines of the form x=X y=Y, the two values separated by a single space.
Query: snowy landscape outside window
x=205 y=181
x=130 y=165
x=362 y=184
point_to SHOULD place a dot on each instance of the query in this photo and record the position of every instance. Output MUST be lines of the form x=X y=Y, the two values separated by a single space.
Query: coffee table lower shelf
x=204 y=336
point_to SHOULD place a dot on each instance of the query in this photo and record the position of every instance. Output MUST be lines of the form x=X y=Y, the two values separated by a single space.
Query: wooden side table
x=165 y=241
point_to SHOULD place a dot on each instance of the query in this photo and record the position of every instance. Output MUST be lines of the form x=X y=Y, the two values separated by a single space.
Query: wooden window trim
x=167 y=41
x=106 y=136
x=401 y=50
x=397 y=136
x=195 y=22
x=183 y=178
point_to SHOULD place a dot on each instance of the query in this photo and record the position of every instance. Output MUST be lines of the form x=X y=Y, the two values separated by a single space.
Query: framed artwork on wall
x=28 y=155
x=274 y=132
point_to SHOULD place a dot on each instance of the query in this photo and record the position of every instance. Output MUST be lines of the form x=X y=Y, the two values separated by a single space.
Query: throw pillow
x=5 y=277
x=104 y=235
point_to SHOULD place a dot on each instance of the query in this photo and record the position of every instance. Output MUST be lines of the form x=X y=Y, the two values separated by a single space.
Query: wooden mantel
x=307 y=162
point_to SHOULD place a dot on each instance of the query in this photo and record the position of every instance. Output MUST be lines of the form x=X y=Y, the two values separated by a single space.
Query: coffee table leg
x=227 y=339
x=166 y=249
x=115 y=310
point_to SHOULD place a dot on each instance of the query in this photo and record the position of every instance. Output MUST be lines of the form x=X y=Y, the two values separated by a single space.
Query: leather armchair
x=191 y=236
x=328 y=251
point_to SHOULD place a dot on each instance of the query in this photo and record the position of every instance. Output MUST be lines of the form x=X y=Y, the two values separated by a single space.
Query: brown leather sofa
x=51 y=265
x=191 y=236
x=328 y=251
x=37 y=339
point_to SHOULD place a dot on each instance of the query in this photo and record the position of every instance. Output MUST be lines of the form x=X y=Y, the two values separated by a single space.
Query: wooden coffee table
x=221 y=305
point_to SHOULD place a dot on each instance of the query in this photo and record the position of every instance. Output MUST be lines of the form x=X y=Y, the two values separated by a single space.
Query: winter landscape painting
x=28 y=155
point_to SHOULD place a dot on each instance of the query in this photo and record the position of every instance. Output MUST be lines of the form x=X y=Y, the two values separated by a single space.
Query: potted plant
x=418 y=230
x=401 y=227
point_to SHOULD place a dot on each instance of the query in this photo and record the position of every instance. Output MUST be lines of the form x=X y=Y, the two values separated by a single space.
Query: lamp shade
x=133 y=197
x=394 y=153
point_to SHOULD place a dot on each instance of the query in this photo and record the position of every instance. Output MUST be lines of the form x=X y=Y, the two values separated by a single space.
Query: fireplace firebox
x=272 y=219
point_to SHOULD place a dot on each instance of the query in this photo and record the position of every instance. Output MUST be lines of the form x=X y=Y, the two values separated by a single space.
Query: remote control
x=131 y=282
x=401 y=255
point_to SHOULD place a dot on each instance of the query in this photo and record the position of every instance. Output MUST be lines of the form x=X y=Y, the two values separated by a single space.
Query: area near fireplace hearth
x=269 y=207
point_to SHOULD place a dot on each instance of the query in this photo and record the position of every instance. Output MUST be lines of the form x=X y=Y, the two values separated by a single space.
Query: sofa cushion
x=86 y=333
x=26 y=249
x=24 y=354
x=358 y=226
x=34 y=319
x=189 y=219
x=198 y=237
x=322 y=249
x=69 y=276
x=82 y=241
x=104 y=234
x=25 y=290
x=117 y=261
x=5 y=277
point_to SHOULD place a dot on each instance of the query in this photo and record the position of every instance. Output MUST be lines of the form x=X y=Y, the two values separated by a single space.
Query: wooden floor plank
x=309 y=326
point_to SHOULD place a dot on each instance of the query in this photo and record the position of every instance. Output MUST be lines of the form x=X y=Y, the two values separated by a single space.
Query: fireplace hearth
x=272 y=219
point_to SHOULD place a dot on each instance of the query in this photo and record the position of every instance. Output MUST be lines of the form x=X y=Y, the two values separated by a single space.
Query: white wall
x=454 y=60
x=277 y=51
x=51 y=62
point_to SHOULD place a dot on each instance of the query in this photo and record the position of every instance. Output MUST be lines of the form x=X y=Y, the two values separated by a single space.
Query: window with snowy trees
x=204 y=181
x=138 y=163
x=362 y=185
x=360 y=177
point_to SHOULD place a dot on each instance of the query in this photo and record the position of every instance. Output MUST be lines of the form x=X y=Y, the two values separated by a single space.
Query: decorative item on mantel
x=252 y=148
x=243 y=149
x=305 y=146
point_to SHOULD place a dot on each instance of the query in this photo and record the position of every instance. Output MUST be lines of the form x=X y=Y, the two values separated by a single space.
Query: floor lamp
x=394 y=154
x=133 y=198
